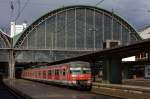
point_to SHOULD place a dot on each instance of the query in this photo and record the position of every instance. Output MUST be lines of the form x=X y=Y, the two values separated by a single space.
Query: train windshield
x=75 y=71
x=80 y=71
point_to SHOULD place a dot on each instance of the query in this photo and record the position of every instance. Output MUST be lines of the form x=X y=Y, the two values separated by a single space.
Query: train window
x=39 y=73
x=36 y=73
x=75 y=71
x=64 y=72
x=44 y=73
x=56 y=72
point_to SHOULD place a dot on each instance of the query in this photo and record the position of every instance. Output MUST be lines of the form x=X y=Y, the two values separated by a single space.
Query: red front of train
x=70 y=74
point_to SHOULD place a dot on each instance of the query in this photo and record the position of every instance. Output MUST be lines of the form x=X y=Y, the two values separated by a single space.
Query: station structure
x=65 y=33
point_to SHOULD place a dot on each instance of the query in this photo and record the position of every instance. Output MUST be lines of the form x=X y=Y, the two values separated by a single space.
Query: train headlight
x=74 y=75
x=89 y=81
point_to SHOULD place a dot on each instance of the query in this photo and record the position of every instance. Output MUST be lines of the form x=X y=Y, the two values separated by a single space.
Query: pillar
x=11 y=65
x=112 y=70
x=125 y=71
x=106 y=71
x=148 y=58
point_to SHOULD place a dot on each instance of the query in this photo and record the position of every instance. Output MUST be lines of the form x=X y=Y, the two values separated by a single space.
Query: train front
x=80 y=75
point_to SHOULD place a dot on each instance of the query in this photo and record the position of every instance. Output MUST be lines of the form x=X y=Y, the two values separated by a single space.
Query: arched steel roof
x=45 y=16
x=5 y=38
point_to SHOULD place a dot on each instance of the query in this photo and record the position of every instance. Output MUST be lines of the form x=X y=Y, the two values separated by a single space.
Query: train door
x=44 y=74
x=40 y=74
x=64 y=74
x=33 y=74
x=68 y=76
x=56 y=74
x=49 y=74
x=53 y=74
x=36 y=74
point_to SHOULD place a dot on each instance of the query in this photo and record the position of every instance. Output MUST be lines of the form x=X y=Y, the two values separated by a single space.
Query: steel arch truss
x=83 y=19
x=4 y=40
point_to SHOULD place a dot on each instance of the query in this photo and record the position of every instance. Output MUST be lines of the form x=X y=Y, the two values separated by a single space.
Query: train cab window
x=75 y=71
x=86 y=71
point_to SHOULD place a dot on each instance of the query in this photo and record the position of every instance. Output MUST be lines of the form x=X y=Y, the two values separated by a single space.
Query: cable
x=99 y=2
x=26 y=3
x=19 y=7
x=12 y=5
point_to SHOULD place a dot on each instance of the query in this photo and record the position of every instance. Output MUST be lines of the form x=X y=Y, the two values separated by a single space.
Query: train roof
x=78 y=63
x=82 y=62
x=69 y=63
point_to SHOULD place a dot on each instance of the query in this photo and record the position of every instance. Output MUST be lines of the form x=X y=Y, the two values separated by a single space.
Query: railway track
x=7 y=93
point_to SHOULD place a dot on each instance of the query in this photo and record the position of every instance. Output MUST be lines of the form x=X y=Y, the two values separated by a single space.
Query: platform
x=45 y=91
x=122 y=91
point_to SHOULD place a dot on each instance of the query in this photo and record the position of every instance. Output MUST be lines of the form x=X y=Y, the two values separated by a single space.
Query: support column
x=106 y=70
x=11 y=65
x=125 y=72
x=112 y=70
x=93 y=71
x=148 y=55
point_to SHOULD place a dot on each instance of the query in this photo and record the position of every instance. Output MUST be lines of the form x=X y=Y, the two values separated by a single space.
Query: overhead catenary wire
x=21 y=10
x=99 y=2
x=7 y=28
x=19 y=7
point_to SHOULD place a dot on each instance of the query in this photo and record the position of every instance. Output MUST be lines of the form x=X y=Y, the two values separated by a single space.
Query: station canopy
x=72 y=31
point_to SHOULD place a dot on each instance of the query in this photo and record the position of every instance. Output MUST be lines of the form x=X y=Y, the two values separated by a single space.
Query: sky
x=136 y=12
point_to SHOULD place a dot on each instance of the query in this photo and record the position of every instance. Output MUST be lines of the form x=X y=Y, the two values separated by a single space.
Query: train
x=74 y=74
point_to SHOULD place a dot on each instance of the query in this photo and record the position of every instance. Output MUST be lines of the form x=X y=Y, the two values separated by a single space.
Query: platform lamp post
x=11 y=52
x=11 y=55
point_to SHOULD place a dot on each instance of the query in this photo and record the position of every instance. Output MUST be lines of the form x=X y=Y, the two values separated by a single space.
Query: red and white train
x=70 y=74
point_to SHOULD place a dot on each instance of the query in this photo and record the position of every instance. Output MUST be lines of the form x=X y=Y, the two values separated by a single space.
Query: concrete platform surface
x=45 y=91
x=137 y=82
x=123 y=91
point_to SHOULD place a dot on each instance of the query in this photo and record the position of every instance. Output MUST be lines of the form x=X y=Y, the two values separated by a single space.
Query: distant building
x=143 y=70
x=145 y=32
x=16 y=29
